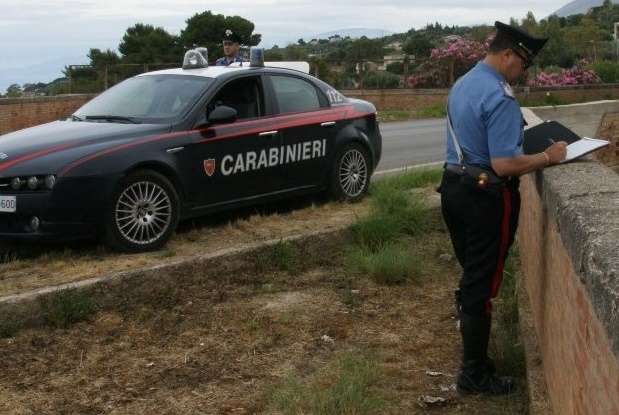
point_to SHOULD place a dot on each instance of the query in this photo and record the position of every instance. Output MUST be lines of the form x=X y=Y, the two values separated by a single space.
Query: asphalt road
x=411 y=143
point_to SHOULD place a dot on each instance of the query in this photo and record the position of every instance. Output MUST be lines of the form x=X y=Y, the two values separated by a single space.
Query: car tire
x=350 y=177
x=143 y=213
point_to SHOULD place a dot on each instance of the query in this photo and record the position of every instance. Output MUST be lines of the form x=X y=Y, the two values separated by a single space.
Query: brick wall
x=411 y=99
x=568 y=248
x=20 y=113
x=26 y=112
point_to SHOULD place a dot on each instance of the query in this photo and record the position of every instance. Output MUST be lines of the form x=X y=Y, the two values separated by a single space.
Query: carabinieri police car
x=169 y=145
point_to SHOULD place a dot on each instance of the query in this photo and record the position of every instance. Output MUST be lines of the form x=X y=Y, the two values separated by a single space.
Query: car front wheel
x=351 y=175
x=143 y=213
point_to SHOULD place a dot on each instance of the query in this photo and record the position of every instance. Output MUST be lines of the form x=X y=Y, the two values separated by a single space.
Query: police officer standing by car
x=480 y=199
x=232 y=44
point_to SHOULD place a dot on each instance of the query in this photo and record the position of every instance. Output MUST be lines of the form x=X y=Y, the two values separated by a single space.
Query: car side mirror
x=222 y=115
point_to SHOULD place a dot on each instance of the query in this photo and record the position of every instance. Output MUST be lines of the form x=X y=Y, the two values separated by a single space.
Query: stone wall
x=568 y=236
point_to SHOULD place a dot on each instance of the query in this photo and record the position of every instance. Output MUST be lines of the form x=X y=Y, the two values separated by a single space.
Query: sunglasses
x=526 y=63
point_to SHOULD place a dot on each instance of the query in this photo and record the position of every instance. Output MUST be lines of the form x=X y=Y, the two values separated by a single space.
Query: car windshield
x=148 y=99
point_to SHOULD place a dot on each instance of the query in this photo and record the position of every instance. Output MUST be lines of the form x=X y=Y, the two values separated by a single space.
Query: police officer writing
x=232 y=44
x=480 y=200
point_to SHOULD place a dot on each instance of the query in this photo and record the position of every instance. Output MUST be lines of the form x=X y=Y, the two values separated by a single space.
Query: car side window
x=244 y=95
x=295 y=94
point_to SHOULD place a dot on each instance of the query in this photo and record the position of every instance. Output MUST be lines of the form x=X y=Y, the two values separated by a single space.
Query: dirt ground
x=222 y=330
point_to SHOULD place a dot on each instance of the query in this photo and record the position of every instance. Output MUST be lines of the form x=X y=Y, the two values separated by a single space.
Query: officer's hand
x=556 y=152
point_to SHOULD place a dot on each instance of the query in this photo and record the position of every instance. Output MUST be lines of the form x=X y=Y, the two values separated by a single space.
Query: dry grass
x=221 y=338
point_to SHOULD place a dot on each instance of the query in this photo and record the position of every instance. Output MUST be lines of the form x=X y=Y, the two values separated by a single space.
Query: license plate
x=8 y=203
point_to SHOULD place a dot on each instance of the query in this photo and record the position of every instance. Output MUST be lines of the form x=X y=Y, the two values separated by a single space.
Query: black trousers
x=482 y=227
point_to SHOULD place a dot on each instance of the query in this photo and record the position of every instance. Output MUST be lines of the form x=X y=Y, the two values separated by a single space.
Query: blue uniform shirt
x=485 y=116
x=224 y=61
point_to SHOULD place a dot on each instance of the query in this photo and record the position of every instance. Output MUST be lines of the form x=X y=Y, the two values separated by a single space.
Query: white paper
x=583 y=146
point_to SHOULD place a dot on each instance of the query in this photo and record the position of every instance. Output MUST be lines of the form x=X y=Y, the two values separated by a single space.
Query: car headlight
x=49 y=181
x=32 y=182
x=16 y=183
x=40 y=182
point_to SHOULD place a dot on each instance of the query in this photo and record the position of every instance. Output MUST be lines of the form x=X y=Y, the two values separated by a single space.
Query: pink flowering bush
x=447 y=64
x=450 y=62
x=576 y=75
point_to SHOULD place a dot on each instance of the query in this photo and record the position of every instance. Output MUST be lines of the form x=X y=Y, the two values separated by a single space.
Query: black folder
x=539 y=137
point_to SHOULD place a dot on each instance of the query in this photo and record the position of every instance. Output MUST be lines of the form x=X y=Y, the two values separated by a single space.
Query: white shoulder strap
x=455 y=139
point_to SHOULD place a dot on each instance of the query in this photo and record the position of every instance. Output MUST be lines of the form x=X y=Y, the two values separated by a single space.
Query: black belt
x=461 y=169
x=455 y=169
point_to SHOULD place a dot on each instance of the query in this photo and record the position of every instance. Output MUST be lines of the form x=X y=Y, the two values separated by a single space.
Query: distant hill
x=579 y=7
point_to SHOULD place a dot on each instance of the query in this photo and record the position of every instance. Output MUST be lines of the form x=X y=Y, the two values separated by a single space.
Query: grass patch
x=374 y=232
x=62 y=308
x=434 y=111
x=280 y=256
x=380 y=249
x=392 y=264
x=506 y=346
x=341 y=386
x=411 y=179
x=394 y=115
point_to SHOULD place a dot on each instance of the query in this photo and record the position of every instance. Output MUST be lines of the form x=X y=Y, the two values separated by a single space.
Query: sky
x=61 y=32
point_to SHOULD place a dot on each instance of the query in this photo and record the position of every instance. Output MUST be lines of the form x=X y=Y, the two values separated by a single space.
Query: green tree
x=207 y=30
x=365 y=49
x=555 y=52
x=529 y=24
x=418 y=46
x=14 y=91
x=320 y=69
x=481 y=33
x=294 y=53
x=99 y=59
x=582 y=38
x=143 y=43
x=273 y=55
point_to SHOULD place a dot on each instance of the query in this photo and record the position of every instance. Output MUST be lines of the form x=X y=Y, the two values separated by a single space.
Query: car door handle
x=175 y=150
x=328 y=124
x=268 y=134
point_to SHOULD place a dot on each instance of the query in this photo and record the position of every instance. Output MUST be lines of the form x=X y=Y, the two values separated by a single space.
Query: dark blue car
x=174 y=144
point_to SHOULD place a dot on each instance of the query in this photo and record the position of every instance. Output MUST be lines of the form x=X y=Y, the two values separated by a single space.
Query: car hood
x=52 y=145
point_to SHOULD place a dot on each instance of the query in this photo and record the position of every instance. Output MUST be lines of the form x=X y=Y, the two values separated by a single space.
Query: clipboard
x=541 y=136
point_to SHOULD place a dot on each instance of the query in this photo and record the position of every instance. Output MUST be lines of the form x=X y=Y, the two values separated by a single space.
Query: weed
x=65 y=307
x=8 y=328
x=508 y=351
x=373 y=232
x=280 y=256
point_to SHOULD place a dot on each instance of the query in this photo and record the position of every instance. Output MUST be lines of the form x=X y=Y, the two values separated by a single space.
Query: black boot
x=477 y=370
